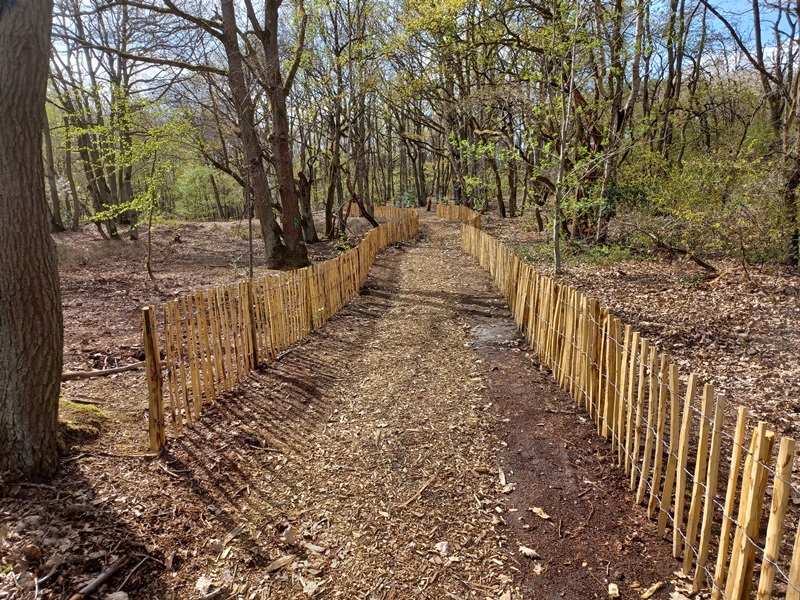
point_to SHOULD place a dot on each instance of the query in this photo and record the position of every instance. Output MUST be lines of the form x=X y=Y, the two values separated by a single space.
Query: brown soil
x=395 y=453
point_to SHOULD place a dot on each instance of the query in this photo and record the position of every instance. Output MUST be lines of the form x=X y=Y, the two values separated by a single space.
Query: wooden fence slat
x=225 y=337
x=215 y=303
x=272 y=316
x=576 y=364
x=740 y=573
x=172 y=309
x=682 y=466
x=710 y=494
x=184 y=403
x=701 y=457
x=221 y=372
x=655 y=489
x=583 y=350
x=730 y=500
x=610 y=408
x=672 y=457
x=781 y=493
x=602 y=371
x=629 y=421
x=566 y=352
x=637 y=433
x=594 y=343
x=622 y=407
x=232 y=311
x=192 y=354
x=205 y=347
x=652 y=410
x=170 y=356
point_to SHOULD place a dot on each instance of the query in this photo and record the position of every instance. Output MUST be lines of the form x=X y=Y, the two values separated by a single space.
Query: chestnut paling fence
x=703 y=481
x=455 y=212
x=212 y=339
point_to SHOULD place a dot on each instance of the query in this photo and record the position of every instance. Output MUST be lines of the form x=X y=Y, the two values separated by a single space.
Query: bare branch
x=145 y=59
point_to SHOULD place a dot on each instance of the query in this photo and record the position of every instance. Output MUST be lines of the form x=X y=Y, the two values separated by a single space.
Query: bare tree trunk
x=296 y=252
x=253 y=152
x=73 y=190
x=217 y=200
x=31 y=327
x=498 y=181
x=306 y=216
x=56 y=223
x=334 y=175
x=512 y=188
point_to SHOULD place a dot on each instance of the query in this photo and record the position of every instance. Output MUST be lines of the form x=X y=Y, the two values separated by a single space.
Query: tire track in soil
x=370 y=454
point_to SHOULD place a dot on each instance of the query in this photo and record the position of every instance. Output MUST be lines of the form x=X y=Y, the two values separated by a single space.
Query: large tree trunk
x=276 y=251
x=31 y=329
x=296 y=252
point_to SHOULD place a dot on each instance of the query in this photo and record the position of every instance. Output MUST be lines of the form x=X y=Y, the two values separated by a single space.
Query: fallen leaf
x=613 y=590
x=502 y=475
x=529 y=552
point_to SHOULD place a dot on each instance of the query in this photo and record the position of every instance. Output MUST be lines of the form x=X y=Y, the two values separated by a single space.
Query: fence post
x=155 y=385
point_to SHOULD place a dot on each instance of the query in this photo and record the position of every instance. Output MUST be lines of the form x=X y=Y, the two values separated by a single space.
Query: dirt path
x=393 y=454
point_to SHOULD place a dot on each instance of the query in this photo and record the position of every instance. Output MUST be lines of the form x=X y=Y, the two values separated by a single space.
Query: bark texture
x=31 y=330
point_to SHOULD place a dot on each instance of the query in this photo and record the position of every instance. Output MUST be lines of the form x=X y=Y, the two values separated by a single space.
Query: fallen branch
x=82 y=400
x=70 y=375
x=687 y=253
x=95 y=583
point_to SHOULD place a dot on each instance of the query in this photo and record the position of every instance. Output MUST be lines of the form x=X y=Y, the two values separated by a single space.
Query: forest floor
x=398 y=452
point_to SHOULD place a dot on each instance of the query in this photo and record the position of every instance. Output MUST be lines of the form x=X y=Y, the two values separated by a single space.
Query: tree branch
x=287 y=86
x=145 y=59
x=736 y=38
